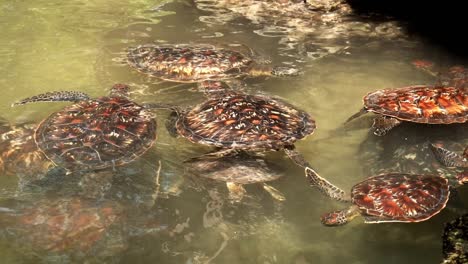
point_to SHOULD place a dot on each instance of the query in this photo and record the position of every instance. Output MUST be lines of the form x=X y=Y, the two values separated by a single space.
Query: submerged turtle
x=237 y=170
x=19 y=154
x=454 y=76
x=75 y=225
x=419 y=104
x=395 y=197
x=240 y=122
x=94 y=133
x=197 y=63
x=455 y=241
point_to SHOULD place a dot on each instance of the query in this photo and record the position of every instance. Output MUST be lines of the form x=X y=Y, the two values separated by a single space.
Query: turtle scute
x=186 y=63
x=421 y=104
x=401 y=197
x=245 y=122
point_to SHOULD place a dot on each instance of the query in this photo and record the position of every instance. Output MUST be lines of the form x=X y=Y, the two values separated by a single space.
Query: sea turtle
x=419 y=104
x=455 y=76
x=455 y=241
x=395 y=197
x=94 y=134
x=197 y=63
x=70 y=225
x=237 y=170
x=233 y=121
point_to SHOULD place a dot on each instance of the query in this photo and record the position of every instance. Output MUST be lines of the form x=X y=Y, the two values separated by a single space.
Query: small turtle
x=235 y=121
x=395 y=197
x=96 y=133
x=454 y=76
x=236 y=171
x=61 y=225
x=455 y=241
x=418 y=104
x=197 y=63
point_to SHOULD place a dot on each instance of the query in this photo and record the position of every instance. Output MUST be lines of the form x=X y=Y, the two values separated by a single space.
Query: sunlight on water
x=154 y=210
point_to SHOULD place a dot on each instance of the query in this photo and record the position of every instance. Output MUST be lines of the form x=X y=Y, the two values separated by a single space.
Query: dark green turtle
x=95 y=133
x=237 y=170
x=232 y=121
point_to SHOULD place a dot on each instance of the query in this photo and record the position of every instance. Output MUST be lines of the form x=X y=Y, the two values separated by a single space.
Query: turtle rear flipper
x=274 y=192
x=361 y=112
x=236 y=191
x=383 y=124
x=448 y=158
x=62 y=96
x=316 y=180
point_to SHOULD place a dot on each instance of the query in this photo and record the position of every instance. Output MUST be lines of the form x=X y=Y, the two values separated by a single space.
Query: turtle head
x=335 y=218
x=463 y=177
x=285 y=71
x=120 y=89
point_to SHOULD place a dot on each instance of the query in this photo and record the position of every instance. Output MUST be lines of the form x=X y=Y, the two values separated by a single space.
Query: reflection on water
x=155 y=209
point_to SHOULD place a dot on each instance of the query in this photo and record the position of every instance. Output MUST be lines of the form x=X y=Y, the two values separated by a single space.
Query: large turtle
x=71 y=225
x=95 y=133
x=233 y=121
x=395 y=197
x=455 y=241
x=237 y=170
x=197 y=63
x=419 y=104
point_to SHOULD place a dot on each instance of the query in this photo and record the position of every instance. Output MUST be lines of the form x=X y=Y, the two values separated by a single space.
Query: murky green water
x=78 y=45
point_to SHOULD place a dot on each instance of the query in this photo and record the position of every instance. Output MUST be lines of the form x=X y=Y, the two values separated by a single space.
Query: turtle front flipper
x=236 y=191
x=449 y=158
x=383 y=124
x=325 y=186
x=361 y=112
x=274 y=192
x=62 y=96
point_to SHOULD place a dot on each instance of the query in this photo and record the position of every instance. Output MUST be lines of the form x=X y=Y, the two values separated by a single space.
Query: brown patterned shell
x=183 y=63
x=401 y=197
x=245 y=122
x=97 y=133
x=19 y=154
x=66 y=223
x=421 y=104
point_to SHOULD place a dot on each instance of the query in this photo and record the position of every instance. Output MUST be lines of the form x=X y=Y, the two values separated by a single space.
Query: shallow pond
x=167 y=214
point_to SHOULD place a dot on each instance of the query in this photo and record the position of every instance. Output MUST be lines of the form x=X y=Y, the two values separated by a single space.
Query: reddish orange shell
x=97 y=133
x=245 y=122
x=401 y=197
x=421 y=104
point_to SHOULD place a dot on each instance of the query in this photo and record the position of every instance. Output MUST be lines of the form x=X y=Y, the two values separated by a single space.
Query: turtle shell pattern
x=421 y=104
x=245 y=122
x=97 y=133
x=401 y=197
x=238 y=169
x=19 y=154
x=67 y=223
x=183 y=63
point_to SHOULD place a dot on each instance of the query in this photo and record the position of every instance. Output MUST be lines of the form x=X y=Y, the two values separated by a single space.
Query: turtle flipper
x=448 y=158
x=361 y=112
x=316 y=180
x=274 y=192
x=383 y=124
x=62 y=96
